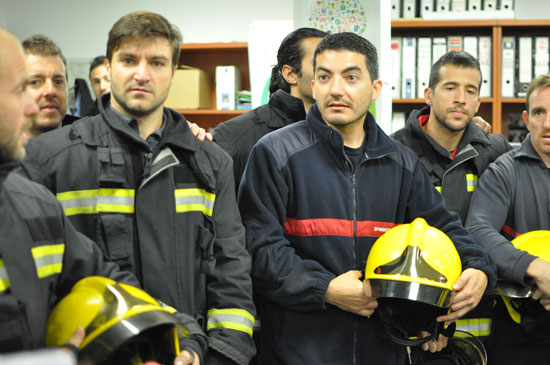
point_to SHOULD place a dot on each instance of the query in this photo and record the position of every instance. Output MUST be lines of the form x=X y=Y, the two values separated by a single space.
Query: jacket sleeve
x=231 y=311
x=31 y=167
x=428 y=203
x=491 y=202
x=279 y=274
x=83 y=258
x=221 y=137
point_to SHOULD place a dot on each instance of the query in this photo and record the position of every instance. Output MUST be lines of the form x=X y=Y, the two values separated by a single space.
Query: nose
x=142 y=72
x=337 y=86
x=49 y=89
x=546 y=122
x=460 y=96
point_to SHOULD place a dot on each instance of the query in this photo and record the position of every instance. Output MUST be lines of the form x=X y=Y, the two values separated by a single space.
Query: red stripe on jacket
x=335 y=227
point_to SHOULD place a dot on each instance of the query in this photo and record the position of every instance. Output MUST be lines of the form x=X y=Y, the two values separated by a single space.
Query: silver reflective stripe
x=97 y=201
x=48 y=259
x=235 y=319
x=4 y=280
x=194 y=200
x=476 y=326
x=471 y=181
x=185 y=200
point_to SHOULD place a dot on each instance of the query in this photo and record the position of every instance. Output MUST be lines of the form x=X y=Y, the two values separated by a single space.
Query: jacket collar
x=6 y=168
x=290 y=108
x=472 y=134
x=527 y=150
x=176 y=132
x=378 y=143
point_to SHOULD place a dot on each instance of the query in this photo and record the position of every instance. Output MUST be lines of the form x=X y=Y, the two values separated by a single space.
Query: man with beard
x=47 y=69
x=290 y=99
x=157 y=201
x=41 y=254
x=453 y=149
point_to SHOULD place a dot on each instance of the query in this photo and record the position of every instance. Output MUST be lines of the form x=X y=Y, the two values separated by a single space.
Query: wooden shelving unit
x=493 y=109
x=207 y=56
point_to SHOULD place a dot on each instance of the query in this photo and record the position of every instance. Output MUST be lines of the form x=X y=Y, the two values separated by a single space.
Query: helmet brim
x=107 y=342
x=432 y=295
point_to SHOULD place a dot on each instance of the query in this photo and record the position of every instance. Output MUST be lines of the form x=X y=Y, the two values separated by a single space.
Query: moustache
x=138 y=86
x=457 y=107
x=346 y=102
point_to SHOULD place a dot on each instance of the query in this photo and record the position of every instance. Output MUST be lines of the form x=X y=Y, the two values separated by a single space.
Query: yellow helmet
x=414 y=261
x=123 y=324
x=516 y=296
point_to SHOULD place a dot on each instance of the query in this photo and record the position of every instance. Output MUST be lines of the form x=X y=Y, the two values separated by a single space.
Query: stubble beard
x=134 y=111
x=442 y=120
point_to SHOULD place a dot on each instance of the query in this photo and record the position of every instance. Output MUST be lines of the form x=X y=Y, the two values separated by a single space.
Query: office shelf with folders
x=488 y=40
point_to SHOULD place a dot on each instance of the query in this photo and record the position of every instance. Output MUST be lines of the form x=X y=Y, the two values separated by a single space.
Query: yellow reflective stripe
x=438 y=188
x=476 y=326
x=232 y=318
x=97 y=201
x=48 y=259
x=4 y=280
x=471 y=181
x=194 y=200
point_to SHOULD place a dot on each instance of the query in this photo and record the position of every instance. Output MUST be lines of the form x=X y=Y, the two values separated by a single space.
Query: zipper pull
x=409 y=354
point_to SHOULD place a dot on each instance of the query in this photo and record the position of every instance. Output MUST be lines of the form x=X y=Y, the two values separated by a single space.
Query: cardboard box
x=190 y=90
x=228 y=82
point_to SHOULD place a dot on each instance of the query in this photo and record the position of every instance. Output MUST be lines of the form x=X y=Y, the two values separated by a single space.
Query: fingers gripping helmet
x=517 y=298
x=462 y=349
x=411 y=270
x=123 y=324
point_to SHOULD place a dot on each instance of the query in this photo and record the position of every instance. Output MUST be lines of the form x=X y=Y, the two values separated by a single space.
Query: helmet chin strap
x=437 y=329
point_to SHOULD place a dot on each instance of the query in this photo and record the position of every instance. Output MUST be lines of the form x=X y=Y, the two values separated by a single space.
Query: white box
x=228 y=82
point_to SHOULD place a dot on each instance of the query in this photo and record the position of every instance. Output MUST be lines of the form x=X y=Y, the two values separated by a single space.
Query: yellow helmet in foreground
x=516 y=296
x=414 y=261
x=123 y=324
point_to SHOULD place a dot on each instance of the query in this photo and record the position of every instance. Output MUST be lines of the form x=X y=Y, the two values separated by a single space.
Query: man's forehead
x=38 y=64
x=136 y=45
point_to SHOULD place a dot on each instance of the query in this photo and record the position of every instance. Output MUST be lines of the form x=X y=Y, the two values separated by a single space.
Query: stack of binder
x=413 y=57
x=452 y=9
x=524 y=57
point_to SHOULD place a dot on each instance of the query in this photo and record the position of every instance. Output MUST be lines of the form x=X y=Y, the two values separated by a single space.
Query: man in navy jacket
x=314 y=198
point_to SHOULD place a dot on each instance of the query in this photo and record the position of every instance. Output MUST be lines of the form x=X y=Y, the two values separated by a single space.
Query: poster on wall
x=333 y=16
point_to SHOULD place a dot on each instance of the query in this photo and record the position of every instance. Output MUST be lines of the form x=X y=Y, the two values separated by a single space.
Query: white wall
x=80 y=27
x=3 y=14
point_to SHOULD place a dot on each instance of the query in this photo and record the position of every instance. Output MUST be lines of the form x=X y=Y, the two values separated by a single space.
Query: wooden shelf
x=513 y=100
x=206 y=56
x=419 y=23
x=496 y=108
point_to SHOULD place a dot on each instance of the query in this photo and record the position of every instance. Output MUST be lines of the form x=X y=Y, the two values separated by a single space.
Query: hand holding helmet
x=469 y=289
x=348 y=293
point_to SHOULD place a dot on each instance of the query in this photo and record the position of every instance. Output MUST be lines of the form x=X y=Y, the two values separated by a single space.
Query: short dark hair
x=540 y=82
x=40 y=45
x=291 y=53
x=352 y=42
x=97 y=61
x=455 y=58
x=146 y=25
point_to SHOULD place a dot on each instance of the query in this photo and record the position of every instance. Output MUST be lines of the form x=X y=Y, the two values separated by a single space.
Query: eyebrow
x=348 y=69
x=456 y=83
x=156 y=57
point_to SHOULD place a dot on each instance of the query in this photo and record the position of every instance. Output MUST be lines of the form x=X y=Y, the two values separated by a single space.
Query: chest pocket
x=114 y=202
x=192 y=199
x=14 y=332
